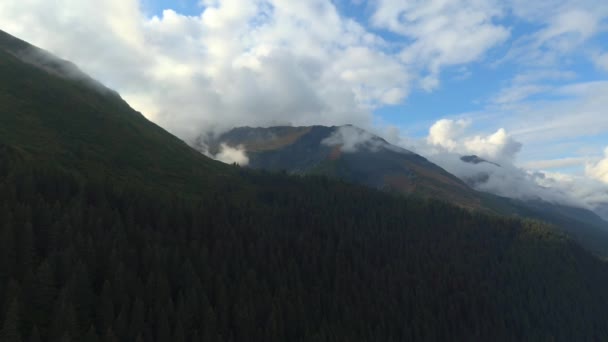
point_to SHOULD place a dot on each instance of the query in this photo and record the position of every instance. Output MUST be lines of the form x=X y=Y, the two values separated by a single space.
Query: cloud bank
x=230 y=155
x=260 y=62
x=448 y=140
x=599 y=170
x=450 y=136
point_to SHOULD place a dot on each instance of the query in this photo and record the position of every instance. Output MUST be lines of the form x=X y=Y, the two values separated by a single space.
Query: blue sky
x=516 y=81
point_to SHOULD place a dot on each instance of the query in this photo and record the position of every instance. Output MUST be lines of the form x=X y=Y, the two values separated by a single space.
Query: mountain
x=113 y=229
x=354 y=155
x=78 y=115
x=602 y=211
x=348 y=153
x=585 y=225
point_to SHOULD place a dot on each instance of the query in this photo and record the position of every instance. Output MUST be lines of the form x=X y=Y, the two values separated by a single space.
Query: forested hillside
x=126 y=234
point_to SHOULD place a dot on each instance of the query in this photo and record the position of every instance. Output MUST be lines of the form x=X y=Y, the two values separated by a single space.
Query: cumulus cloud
x=240 y=62
x=444 y=133
x=599 y=170
x=451 y=136
x=232 y=155
x=499 y=146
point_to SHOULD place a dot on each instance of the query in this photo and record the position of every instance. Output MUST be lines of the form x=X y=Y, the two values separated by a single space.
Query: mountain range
x=352 y=154
x=113 y=229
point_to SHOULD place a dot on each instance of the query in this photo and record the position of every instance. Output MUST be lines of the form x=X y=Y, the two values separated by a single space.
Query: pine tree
x=35 y=335
x=105 y=307
x=10 y=329
x=91 y=335
x=163 y=332
x=110 y=337
x=179 y=334
x=137 y=321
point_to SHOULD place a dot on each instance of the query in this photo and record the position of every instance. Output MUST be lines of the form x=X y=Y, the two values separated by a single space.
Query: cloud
x=444 y=133
x=565 y=26
x=517 y=93
x=451 y=136
x=230 y=155
x=449 y=140
x=442 y=33
x=554 y=163
x=352 y=139
x=599 y=170
x=240 y=62
x=505 y=180
x=601 y=61
x=498 y=146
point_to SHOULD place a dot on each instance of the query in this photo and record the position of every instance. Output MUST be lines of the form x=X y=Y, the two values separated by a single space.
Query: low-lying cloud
x=599 y=170
x=351 y=139
x=449 y=140
x=231 y=155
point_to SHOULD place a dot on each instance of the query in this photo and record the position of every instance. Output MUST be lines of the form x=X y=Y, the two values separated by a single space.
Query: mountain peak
x=349 y=153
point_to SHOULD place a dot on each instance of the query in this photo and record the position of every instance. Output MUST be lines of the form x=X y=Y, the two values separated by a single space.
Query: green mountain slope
x=72 y=120
x=126 y=234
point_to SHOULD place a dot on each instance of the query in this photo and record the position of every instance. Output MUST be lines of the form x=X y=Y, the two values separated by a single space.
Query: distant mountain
x=602 y=210
x=348 y=153
x=354 y=155
x=587 y=226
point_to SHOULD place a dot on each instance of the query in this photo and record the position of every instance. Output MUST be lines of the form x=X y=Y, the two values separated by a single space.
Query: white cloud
x=565 y=26
x=232 y=155
x=517 y=93
x=444 y=133
x=443 y=33
x=601 y=61
x=351 y=139
x=240 y=62
x=554 y=163
x=452 y=136
x=498 y=146
x=599 y=170
x=449 y=140
x=576 y=110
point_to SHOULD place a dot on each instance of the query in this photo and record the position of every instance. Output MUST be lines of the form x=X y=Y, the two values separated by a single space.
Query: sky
x=523 y=83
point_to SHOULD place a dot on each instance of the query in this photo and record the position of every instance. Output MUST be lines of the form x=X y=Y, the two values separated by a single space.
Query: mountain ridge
x=355 y=155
